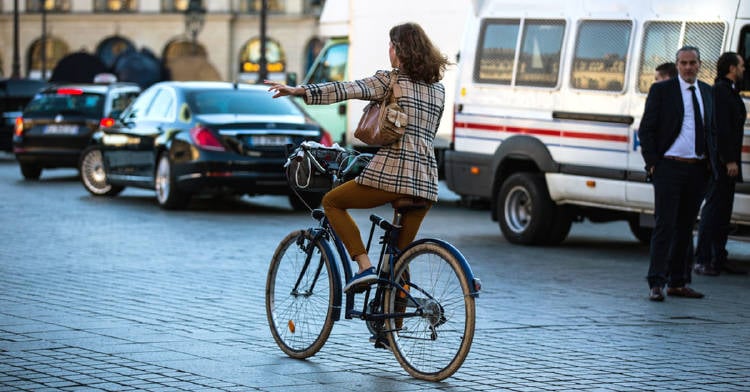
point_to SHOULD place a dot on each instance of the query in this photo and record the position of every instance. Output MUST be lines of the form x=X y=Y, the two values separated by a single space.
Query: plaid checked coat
x=407 y=166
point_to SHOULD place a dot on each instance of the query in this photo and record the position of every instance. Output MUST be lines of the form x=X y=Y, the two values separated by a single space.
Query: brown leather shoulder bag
x=383 y=123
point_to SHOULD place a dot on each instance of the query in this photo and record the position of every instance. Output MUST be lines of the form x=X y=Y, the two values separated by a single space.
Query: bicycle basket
x=311 y=167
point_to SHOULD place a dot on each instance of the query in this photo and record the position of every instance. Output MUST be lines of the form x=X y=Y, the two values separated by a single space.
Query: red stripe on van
x=543 y=132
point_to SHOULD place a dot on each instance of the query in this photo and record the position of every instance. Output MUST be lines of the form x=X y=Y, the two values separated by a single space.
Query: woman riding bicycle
x=406 y=168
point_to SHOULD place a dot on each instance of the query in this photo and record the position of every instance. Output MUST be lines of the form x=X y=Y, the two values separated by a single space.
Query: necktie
x=700 y=139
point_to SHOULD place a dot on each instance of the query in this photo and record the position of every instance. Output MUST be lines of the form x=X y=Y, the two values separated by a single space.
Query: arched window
x=175 y=5
x=55 y=49
x=181 y=47
x=115 y=5
x=250 y=57
x=48 y=5
x=253 y=6
x=111 y=47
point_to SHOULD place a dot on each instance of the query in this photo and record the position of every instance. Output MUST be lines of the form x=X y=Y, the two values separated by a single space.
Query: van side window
x=497 y=51
x=539 y=59
x=601 y=54
x=332 y=67
x=662 y=39
x=532 y=60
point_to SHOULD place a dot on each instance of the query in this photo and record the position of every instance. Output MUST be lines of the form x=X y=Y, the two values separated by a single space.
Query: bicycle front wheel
x=299 y=295
x=433 y=344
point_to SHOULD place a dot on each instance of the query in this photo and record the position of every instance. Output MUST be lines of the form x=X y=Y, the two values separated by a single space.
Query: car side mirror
x=291 y=79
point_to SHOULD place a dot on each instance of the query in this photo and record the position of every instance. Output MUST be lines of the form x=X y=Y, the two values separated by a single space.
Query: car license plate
x=58 y=129
x=269 y=140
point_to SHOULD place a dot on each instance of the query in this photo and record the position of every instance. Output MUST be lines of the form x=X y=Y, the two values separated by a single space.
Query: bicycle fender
x=336 y=278
x=465 y=267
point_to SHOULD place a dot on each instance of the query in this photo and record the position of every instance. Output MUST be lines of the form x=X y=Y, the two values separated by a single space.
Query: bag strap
x=394 y=88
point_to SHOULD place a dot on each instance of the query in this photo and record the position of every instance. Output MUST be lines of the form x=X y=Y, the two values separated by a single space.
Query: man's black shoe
x=684 y=291
x=706 y=269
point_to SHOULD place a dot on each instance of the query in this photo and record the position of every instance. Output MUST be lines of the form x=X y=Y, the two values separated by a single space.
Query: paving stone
x=136 y=298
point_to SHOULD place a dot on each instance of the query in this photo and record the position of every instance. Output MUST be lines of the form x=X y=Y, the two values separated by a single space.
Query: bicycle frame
x=327 y=236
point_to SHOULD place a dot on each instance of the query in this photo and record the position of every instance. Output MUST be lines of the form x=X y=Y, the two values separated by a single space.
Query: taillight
x=106 y=122
x=325 y=138
x=69 y=91
x=19 y=126
x=205 y=139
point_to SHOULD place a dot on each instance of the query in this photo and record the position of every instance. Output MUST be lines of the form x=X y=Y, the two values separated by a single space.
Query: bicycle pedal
x=359 y=289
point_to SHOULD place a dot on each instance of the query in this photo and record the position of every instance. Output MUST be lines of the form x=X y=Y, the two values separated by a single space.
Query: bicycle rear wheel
x=299 y=295
x=433 y=345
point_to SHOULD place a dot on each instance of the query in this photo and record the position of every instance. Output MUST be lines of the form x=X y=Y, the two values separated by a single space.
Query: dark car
x=188 y=138
x=59 y=122
x=15 y=94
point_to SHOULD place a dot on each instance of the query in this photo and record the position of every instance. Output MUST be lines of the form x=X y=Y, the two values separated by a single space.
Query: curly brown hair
x=419 y=58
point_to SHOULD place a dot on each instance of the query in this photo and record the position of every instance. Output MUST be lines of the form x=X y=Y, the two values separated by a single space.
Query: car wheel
x=93 y=175
x=524 y=209
x=30 y=171
x=167 y=194
x=312 y=199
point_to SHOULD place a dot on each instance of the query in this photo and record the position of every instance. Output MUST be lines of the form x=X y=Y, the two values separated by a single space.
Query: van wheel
x=524 y=209
x=643 y=234
x=30 y=171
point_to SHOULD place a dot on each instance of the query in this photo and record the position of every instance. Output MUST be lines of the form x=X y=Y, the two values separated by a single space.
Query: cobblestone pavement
x=117 y=295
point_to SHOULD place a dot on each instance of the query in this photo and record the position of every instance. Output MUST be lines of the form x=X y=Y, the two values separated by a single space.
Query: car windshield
x=63 y=102
x=240 y=102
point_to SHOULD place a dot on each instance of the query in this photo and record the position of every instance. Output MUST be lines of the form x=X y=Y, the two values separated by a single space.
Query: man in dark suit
x=675 y=135
x=713 y=230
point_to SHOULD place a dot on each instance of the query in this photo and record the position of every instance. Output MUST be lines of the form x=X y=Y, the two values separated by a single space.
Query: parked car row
x=60 y=120
x=181 y=139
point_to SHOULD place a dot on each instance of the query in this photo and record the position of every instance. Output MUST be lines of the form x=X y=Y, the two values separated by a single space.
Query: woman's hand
x=283 y=90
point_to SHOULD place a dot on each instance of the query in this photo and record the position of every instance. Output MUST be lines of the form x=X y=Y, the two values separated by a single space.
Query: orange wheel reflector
x=402 y=294
x=291 y=326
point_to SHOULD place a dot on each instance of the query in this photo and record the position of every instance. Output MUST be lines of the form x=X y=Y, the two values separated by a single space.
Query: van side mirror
x=291 y=79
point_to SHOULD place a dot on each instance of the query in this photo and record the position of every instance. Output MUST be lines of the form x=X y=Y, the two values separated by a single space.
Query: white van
x=549 y=99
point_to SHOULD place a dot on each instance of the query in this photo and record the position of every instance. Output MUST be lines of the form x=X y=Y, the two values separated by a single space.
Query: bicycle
x=421 y=307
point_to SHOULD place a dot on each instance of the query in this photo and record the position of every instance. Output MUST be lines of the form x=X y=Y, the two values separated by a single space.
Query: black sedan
x=58 y=123
x=187 y=138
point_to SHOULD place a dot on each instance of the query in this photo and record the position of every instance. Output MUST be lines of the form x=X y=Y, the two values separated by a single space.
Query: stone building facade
x=229 y=37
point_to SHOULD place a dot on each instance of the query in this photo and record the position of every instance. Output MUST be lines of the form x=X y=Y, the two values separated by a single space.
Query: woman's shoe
x=360 y=281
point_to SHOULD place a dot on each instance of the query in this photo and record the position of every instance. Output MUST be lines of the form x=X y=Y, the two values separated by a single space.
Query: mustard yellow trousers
x=352 y=195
